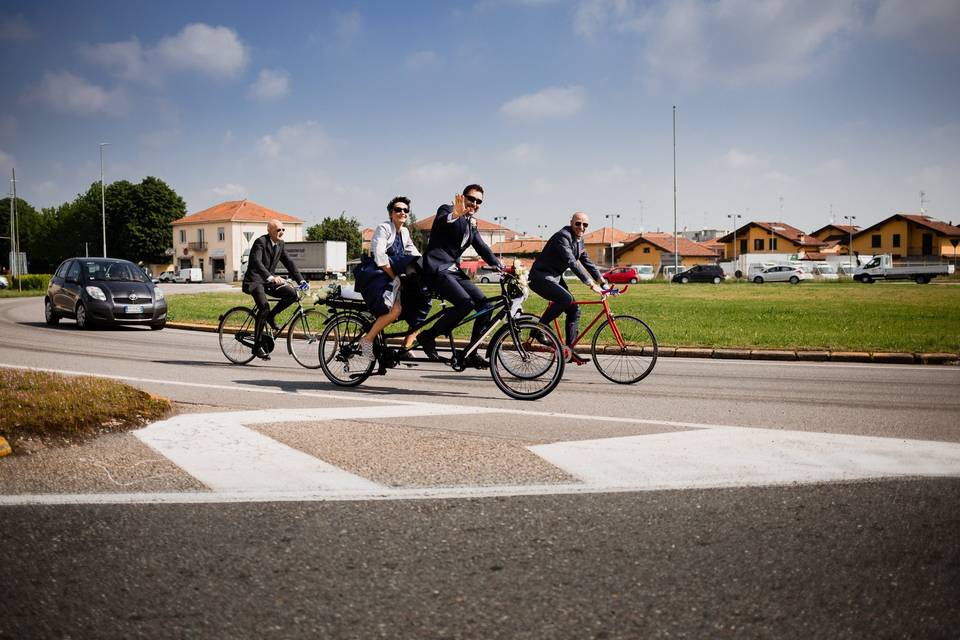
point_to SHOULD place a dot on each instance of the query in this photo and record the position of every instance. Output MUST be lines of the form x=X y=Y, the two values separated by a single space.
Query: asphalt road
x=866 y=558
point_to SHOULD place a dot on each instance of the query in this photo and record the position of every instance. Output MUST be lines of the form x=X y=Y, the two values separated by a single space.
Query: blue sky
x=310 y=108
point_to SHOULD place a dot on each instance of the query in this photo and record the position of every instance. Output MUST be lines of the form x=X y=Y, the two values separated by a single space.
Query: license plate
x=133 y=308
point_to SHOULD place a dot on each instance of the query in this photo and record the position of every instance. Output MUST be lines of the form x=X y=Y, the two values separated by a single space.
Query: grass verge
x=835 y=316
x=56 y=408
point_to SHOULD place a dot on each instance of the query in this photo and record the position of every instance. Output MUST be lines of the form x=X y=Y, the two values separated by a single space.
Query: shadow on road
x=293 y=386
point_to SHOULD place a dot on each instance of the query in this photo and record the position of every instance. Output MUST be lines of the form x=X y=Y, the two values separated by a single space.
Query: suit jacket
x=263 y=261
x=446 y=242
x=562 y=252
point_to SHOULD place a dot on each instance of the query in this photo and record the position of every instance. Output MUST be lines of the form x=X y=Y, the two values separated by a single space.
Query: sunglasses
x=583 y=225
x=401 y=210
x=281 y=230
x=472 y=200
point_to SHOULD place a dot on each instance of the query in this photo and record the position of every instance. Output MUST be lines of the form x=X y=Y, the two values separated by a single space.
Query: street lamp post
x=850 y=221
x=541 y=229
x=610 y=218
x=734 y=217
x=499 y=220
x=103 y=201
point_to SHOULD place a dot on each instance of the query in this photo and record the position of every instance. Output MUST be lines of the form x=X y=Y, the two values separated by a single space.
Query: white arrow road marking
x=737 y=457
x=218 y=451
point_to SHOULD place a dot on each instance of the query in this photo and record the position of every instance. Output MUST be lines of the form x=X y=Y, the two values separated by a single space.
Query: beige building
x=217 y=240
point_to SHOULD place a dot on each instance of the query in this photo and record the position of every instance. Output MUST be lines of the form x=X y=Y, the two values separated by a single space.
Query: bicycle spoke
x=303 y=337
x=529 y=367
x=236 y=333
x=339 y=350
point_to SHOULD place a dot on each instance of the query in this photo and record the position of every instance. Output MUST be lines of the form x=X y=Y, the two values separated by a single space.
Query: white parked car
x=825 y=271
x=782 y=273
x=3 y=282
x=487 y=275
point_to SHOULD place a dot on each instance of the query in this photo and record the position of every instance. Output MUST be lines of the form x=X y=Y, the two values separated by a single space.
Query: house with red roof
x=657 y=250
x=491 y=233
x=601 y=245
x=217 y=240
x=769 y=237
x=913 y=236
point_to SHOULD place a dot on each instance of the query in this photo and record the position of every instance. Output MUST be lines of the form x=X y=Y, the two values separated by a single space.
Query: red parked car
x=628 y=275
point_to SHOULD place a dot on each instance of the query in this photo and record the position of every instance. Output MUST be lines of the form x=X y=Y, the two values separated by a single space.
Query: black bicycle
x=526 y=359
x=237 y=330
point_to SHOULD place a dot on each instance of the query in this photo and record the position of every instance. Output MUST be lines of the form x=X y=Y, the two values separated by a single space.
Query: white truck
x=317 y=260
x=193 y=274
x=881 y=268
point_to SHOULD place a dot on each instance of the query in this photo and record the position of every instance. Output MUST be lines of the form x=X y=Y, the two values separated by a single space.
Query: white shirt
x=383 y=237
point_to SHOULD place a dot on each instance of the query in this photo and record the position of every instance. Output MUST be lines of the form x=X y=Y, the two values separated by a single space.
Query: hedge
x=31 y=281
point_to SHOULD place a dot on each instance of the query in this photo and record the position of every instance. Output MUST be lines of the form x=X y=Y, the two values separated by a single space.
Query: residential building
x=601 y=245
x=367 y=236
x=490 y=232
x=769 y=237
x=217 y=240
x=911 y=236
x=836 y=238
x=656 y=249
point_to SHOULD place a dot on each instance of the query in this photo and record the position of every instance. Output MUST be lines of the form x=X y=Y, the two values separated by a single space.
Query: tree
x=340 y=228
x=29 y=220
x=416 y=235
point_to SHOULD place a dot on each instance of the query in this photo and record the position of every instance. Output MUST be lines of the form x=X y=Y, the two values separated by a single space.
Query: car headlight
x=96 y=293
x=158 y=293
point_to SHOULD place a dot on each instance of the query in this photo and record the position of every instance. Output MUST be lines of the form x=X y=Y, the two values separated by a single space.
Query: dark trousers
x=455 y=287
x=561 y=300
x=285 y=293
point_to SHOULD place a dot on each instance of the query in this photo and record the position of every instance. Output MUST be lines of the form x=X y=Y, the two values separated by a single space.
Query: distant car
x=824 y=271
x=167 y=276
x=487 y=275
x=104 y=291
x=701 y=273
x=782 y=273
x=3 y=282
x=622 y=275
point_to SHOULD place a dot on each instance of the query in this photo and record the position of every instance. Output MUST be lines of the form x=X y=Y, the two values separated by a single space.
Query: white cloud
x=126 y=59
x=737 y=159
x=68 y=93
x=524 y=154
x=422 y=60
x=230 y=190
x=553 y=102
x=616 y=174
x=271 y=84
x=349 y=25
x=300 y=141
x=930 y=24
x=215 y=51
x=15 y=28
x=732 y=43
x=44 y=190
x=6 y=160
x=436 y=173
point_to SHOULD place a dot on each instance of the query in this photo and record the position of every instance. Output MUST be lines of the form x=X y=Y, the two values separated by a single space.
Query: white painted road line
x=225 y=456
x=738 y=457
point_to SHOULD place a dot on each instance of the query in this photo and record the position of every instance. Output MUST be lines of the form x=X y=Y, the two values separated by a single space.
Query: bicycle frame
x=602 y=313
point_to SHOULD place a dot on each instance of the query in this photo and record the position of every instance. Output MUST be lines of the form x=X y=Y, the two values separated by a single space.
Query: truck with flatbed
x=881 y=267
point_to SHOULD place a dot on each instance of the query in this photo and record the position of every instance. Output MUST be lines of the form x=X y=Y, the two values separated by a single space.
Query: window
x=183 y=235
x=200 y=235
x=773 y=244
x=875 y=241
x=743 y=246
x=74 y=272
x=62 y=271
x=646 y=249
x=758 y=244
x=221 y=235
x=896 y=239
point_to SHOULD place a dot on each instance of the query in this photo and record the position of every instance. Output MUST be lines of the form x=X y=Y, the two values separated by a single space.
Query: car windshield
x=826 y=269
x=112 y=271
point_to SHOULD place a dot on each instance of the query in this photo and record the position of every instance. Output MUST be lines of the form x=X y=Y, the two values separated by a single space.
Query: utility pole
x=14 y=231
x=610 y=218
x=103 y=201
x=850 y=221
x=503 y=236
x=676 y=244
x=734 y=217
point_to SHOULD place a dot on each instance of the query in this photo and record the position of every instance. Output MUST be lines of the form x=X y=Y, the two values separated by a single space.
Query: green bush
x=31 y=282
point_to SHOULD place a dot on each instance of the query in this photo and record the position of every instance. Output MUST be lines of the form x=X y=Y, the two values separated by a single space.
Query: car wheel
x=922 y=279
x=794 y=280
x=156 y=326
x=866 y=279
x=758 y=280
x=49 y=315
x=485 y=280
x=633 y=281
x=684 y=280
x=716 y=279
x=81 y=315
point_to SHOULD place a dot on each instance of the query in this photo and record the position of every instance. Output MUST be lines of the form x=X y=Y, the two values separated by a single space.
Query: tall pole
x=850 y=220
x=734 y=217
x=611 y=217
x=15 y=228
x=103 y=201
x=676 y=244
x=503 y=236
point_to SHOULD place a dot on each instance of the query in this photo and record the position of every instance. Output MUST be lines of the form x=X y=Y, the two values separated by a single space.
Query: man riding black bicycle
x=260 y=281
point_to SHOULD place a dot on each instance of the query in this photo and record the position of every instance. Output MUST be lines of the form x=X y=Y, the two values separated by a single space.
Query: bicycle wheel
x=339 y=350
x=236 y=331
x=526 y=369
x=303 y=337
x=628 y=359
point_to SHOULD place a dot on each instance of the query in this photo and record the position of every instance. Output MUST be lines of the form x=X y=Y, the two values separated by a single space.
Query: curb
x=779 y=355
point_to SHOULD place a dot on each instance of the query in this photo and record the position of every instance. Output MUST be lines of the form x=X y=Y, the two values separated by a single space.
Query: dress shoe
x=257 y=351
x=577 y=360
x=429 y=346
x=476 y=361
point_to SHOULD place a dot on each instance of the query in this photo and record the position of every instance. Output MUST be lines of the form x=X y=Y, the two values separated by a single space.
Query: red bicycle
x=623 y=348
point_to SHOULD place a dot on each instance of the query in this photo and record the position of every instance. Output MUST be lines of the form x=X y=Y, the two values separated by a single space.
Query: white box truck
x=317 y=260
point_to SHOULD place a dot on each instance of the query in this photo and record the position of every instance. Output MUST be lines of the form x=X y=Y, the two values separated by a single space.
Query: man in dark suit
x=259 y=280
x=564 y=250
x=453 y=230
